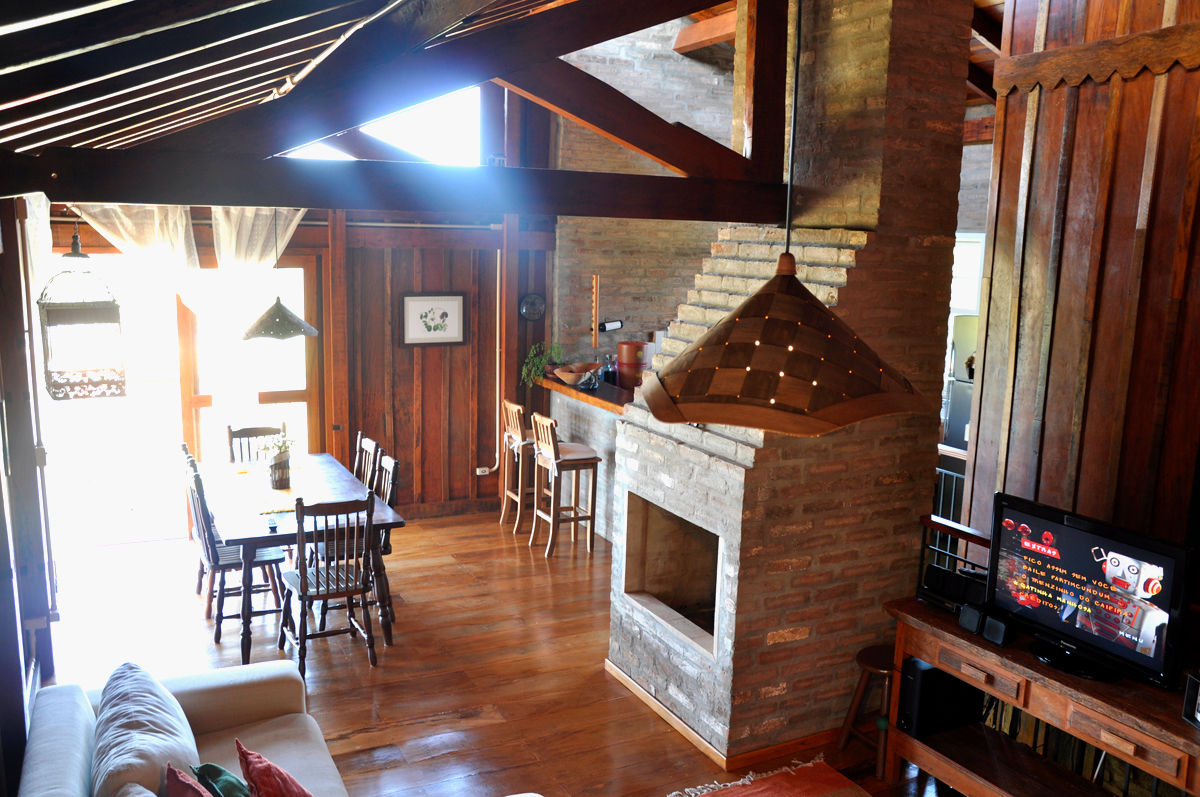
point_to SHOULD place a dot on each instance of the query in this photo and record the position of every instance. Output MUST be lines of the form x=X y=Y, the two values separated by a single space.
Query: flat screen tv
x=1100 y=601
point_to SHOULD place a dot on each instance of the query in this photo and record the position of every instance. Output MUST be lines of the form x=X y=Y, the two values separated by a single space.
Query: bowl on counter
x=574 y=373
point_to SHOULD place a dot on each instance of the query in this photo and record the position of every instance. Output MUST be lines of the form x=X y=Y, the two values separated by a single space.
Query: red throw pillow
x=181 y=784
x=266 y=779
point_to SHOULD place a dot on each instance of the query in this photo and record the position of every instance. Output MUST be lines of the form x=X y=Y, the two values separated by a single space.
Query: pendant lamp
x=782 y=361
x=76 y=245
x=279 y=322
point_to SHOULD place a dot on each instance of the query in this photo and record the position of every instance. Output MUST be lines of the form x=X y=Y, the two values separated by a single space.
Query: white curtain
x=252 y=237
x=160 y=231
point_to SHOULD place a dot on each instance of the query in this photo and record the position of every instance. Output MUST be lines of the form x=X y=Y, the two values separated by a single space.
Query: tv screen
x=1106 y=601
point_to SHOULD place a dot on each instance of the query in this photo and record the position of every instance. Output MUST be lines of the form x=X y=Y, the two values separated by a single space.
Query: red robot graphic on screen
x=1126 y=616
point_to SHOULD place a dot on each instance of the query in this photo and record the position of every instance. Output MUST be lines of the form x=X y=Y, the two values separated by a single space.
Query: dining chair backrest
x=387 y=479
x=545 y=437
x=366 y=457
x=203 y=520
x=345 y=528
x=514 y=423
x=253 y=443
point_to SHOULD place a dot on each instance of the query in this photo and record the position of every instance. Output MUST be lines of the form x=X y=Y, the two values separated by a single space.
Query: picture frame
x=433 y=318
x=1191 y=705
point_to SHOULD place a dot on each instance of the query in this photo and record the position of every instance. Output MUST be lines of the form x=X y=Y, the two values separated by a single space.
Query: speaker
x=996 y=631
x=971 y=618
x=932 y=701
x=952 y=587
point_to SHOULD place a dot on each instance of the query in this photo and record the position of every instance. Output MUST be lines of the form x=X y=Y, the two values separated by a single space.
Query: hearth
x=671 y=565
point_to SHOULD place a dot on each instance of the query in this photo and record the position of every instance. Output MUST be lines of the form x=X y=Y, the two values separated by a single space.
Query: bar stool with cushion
x=553 y=459
x=518 y=450
x=875 y=660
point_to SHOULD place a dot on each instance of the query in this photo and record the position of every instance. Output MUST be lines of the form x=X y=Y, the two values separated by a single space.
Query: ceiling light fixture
x=782 y=361
x=279 y=322
x=76 y=245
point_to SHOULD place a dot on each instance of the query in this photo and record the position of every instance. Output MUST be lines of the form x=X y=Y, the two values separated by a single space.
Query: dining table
x=252 y=514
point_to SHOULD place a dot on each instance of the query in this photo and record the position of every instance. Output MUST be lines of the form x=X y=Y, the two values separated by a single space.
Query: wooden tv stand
x=1135 y=722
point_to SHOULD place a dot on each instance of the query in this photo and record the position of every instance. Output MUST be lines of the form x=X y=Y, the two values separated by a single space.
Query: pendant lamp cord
x=787 y=220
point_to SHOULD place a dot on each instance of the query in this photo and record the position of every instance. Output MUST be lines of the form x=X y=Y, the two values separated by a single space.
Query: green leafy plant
x=540 y=355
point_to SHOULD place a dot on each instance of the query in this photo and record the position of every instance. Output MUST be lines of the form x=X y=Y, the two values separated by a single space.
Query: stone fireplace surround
x=815 y=534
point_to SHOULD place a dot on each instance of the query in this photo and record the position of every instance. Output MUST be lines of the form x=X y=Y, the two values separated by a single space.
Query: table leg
x=383 y=597
x=247 y=605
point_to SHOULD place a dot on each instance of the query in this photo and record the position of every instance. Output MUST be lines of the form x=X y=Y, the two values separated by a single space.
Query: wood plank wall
x=1089 y=390
x=433 y=407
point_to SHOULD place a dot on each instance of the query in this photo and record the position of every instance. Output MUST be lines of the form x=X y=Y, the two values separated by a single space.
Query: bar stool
x=553 y=460
x=874 y=660
x=518 y=447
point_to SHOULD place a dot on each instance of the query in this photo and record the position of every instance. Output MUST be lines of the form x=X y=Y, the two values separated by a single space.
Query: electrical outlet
x=481 y=471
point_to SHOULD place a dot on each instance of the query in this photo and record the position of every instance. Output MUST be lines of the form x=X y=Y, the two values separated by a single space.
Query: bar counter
x=590 y=417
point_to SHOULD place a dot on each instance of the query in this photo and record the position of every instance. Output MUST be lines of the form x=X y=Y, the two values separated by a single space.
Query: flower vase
x=281 y=471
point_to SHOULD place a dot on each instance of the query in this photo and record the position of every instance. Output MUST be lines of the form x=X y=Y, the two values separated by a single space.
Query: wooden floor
x=495 y=685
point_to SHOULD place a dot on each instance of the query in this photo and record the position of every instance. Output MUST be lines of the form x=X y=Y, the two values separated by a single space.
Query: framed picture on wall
x=433 y=318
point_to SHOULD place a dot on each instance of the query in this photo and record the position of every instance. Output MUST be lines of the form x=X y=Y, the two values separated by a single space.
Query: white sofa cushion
x=139 y=728
x=293 y=741
x=58 y=754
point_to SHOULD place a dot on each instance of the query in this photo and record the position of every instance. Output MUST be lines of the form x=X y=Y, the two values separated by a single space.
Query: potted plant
x=540 y=355
x=281 y=464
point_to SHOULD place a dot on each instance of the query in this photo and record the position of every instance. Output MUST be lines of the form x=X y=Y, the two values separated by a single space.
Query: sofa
x=262 y=705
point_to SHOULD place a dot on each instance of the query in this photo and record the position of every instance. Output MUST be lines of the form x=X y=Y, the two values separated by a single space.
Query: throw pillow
x=139 y=728
x=220 y=782
x=181 y=784
x=266 y=779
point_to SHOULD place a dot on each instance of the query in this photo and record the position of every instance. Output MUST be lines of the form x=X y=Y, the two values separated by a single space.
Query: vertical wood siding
x=1088 y=395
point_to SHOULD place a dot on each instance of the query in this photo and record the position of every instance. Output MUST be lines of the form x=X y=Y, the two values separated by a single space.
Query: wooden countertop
x=606 y=397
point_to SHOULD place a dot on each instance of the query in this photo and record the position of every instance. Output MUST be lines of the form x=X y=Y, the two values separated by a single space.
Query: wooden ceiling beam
x=214 y=63
x=81 y=175
x=29 y=48
x=766 y=81
x=582 y=98
x=252 y=27
x=980 y=82
x=375 y=73
x=142 y=111
x=718 y=29
x=987 y=30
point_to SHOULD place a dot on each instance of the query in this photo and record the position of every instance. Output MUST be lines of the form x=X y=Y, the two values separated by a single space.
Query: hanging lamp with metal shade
x=782 y=361
x=279 y=323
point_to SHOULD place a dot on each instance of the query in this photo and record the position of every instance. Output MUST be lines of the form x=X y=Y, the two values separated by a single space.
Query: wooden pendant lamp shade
x=783 y=362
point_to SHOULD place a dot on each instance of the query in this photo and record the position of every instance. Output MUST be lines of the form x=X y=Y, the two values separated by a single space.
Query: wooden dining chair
x=366 y=457
x=553 y=460
x=344 y=526
x=517 y=454
x=253 y=443
x=217 y=559
x=387 y=482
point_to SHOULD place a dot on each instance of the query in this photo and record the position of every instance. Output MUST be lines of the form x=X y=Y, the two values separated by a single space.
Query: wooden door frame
x=191 y=401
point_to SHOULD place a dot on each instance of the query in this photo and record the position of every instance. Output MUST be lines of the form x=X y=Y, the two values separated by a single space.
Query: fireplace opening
x=673 y=562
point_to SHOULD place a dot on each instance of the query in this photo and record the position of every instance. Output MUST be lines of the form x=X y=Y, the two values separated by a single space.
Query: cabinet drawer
x=989 y=677
x=1143 y=751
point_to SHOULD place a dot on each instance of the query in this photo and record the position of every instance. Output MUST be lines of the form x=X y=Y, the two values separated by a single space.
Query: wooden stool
x=553 y=460
x=873 y=660
x=518 y=446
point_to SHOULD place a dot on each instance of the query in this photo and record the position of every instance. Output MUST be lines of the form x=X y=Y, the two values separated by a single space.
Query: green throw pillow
x=220 y=782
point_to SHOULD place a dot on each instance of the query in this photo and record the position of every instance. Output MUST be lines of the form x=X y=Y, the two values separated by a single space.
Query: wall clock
x=532 y=307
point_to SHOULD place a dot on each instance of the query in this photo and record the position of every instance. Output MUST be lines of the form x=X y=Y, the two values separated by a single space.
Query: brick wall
x=828 y=526
x=645 y=267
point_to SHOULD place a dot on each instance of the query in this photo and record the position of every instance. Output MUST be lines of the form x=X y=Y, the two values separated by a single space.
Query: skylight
x=443 y=130
x=319 y=150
